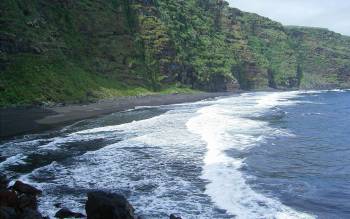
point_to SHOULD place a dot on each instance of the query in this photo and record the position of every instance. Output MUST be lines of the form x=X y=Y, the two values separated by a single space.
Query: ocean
x=250 y=155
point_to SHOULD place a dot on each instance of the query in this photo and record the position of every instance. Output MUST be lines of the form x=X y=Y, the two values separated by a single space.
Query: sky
x=331 y=14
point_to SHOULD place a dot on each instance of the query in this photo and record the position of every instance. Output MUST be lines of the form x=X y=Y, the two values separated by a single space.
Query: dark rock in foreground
x=7 y=213
x=25 y=188
x=57 y=205
x=66 y=213
x=102 y=205
x=8 y=199
x=18 y=201
x=175 y=216
x=27 y=201
x=3 y=182
x=28 y=213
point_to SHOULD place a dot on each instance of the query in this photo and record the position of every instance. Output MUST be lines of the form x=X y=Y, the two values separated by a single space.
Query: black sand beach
x=16 y=121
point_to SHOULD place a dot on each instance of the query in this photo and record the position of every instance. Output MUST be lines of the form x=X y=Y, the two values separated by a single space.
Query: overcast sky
x=331 y=14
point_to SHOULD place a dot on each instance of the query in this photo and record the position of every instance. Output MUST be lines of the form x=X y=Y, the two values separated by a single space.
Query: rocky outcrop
x=28 y=213
x=102 y=205
x=8 y=213
x=175 y=216
x=153 y=45
x=3 y=182
x=18 y=201
x=66 y=213
x=222 y=83
x=24 y=188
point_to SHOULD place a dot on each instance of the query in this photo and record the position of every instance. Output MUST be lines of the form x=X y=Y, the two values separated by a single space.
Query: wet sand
x=17 y=121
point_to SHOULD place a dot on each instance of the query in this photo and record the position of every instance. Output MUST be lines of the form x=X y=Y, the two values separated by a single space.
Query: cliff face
x=324 y=57
x=65 y=50
x=61 y=50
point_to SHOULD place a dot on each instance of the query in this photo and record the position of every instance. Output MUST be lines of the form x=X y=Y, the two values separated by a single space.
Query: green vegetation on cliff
x=65 y=50
x=324 y=57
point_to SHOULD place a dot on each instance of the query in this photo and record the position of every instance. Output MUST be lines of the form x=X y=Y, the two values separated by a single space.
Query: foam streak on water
x=225 y=126
x=186 y=159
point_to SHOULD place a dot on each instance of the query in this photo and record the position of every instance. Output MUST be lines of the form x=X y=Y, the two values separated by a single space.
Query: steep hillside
x=324 y=57
x=65 y=50
x=68 y=50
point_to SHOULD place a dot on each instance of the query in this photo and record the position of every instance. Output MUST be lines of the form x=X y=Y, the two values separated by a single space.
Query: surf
x=226 y=126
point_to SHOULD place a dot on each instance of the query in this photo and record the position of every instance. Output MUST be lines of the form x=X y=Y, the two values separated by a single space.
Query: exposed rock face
x=324 y=57
x=344 y=74
x=18 y=201
x=222 y=83
x=102 y=205
x=25 y=188
x=3 y=182
x=7 y=213
x=8 y=199
x=28 y=213
x=154 y=44
x=175 y=216
x=66 y=213
x=27 y=201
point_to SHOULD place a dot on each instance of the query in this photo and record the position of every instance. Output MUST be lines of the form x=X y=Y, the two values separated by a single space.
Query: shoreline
x=20 y=121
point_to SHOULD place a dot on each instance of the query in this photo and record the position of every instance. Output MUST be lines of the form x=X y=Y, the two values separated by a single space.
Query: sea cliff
x=71 y=51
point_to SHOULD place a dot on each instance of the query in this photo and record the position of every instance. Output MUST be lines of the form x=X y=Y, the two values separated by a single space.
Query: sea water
x=251 y=155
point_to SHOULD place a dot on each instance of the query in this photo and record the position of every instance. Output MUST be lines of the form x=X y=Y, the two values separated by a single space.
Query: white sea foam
x=158 y=161
x=225 y=127
x=338 y=90
x=142 y=163
x=13 y=160
x=323 y=91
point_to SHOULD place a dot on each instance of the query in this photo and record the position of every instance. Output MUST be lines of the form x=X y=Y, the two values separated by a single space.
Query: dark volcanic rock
x=8 y=199
x=102 y=205
x=57 y=205
x=174 y=216
x=66 y=213
x=3 y=182
x=18 y=201
x=28 y=213
x=27 y=201
x=25 y=188
x=7 y=213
